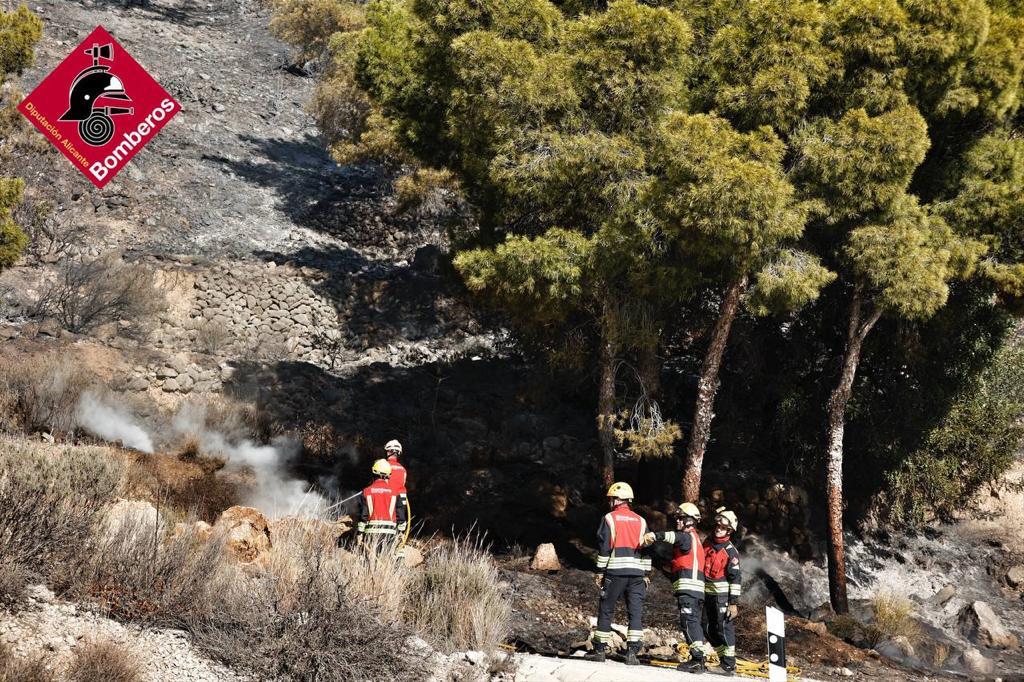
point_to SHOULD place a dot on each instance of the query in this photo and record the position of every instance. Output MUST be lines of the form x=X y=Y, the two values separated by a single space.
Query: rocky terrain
x=297 y=285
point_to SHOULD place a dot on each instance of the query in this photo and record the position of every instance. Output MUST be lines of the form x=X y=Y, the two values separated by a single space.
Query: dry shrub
x=14 y=580
x=104 y=661
x=455 y=601
x=212 y=337
x=141 y=574
x=26 y=669
x=893 y=617
x=51 y=500
x=42 y=394
x=89 y=293
x=301 y=621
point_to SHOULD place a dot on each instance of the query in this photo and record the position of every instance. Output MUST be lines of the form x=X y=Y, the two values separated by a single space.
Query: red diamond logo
x=99 y=107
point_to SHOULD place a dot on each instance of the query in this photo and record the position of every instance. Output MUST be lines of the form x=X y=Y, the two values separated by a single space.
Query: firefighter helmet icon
x=93 y=84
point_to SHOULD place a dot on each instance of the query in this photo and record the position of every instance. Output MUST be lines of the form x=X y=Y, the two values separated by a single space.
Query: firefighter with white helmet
x=687 y=580
x=722 y=587
x=623 y=570
x=393 y=449
x=380 y=515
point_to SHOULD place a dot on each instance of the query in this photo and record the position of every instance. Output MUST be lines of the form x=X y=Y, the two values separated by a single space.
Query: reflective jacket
x=397 y=476
x=722 y=569
x=618 y=543
x=687 y=561
x=379 y=511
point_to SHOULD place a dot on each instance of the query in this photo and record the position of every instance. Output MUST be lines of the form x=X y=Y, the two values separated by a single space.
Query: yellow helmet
x=689 y=509
x=621 y=491
x=382 y=468
x=724 y=517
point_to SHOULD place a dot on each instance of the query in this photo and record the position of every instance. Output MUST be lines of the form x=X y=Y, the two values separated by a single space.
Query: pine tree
x=20 y=30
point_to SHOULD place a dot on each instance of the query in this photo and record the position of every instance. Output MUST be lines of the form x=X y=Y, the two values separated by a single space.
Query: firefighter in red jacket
x=687 y=580
x=722 y=588
x=380 y=515
x=622 y=570
x=398 y=475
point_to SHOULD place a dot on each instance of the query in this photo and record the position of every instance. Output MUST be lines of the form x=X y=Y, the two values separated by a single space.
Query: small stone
x=171 y=385
x=545 y=558
x=974 y=661
x=943 y=595
x=1015 y=576
x=845 y=672
x=166 y=373
x=219 y=108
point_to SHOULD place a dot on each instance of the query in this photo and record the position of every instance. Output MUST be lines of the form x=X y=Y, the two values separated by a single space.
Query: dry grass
x=893 y=617
x=455 y=601
x=30 y=669
x=42 y=394
x=104 y=661
x=301 y=619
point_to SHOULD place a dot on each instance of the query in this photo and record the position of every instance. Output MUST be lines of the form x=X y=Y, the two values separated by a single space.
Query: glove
x=731 y=613
x=599 y=580
x=648 y=539
x=647 y=581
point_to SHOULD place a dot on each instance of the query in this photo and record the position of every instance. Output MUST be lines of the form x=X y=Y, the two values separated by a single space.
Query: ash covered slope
x=240 y=170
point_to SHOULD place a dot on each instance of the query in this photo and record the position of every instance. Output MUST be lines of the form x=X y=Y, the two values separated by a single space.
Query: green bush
x=973 y=445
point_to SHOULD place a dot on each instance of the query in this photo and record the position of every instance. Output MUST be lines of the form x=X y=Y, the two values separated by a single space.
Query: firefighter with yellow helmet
x=687 y=567
x=380 y=515
x=622 y=571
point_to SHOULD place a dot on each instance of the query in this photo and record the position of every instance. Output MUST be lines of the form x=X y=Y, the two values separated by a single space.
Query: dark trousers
x=721 y=633
x=616 y=586
x=690 y=611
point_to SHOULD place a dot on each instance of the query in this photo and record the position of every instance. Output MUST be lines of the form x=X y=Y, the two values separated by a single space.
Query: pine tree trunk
x=855 y=334
x=707 y=386
x=606 y=399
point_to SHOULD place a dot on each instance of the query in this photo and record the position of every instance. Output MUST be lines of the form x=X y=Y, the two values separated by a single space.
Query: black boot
x=728 y=665
x=632 y=649
x=694 y=665
x=597 y=655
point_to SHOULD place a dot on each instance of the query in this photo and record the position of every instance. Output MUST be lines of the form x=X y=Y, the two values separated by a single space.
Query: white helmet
x=393 y=446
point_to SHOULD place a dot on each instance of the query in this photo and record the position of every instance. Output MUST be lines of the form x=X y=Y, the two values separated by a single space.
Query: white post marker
x=776 y=644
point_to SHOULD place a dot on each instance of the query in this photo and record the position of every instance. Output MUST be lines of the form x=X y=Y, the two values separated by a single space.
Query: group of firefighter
x=705 y=575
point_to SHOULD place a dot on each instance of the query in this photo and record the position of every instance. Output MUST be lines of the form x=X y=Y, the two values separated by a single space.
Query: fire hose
x=744 y=667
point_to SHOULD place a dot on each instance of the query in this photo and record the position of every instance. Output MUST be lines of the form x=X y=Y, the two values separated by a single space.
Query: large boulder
x=981 y=625
x=246 y=532
x=134 y=517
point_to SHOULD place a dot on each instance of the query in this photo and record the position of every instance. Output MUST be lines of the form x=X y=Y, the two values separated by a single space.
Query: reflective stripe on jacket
x=379 y=511
x=687 y=561
x=722 y=568
x=618 y=543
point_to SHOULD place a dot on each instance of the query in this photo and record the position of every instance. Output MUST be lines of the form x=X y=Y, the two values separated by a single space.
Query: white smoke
x=110 y=423
x=275 y=492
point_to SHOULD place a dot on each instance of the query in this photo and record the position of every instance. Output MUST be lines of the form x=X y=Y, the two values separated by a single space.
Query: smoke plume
x=275 y=492
x=110 y=423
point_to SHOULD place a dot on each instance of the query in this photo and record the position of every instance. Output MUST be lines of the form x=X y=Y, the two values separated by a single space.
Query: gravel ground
x=55 y=628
